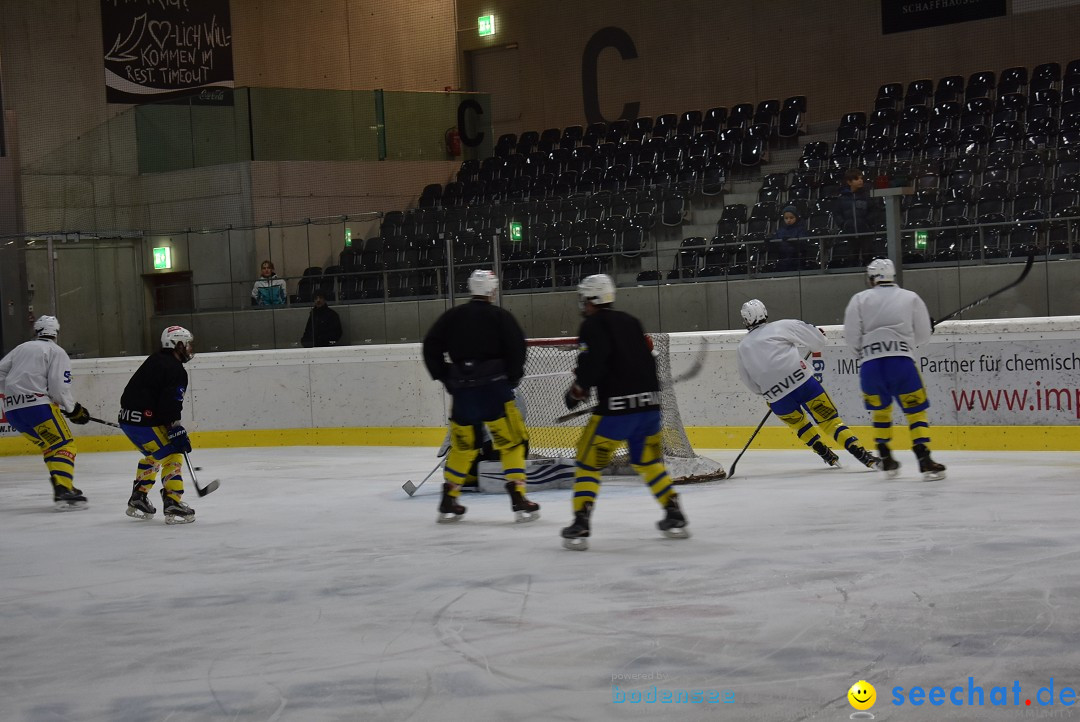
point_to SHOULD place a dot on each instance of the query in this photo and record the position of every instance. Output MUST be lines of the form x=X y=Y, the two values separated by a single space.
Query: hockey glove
x=178 y=439
x=574 y=396
x=78 y=415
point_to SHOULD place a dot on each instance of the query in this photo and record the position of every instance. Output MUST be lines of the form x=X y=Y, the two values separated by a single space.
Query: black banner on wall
x=155 y=49
x=900 y=15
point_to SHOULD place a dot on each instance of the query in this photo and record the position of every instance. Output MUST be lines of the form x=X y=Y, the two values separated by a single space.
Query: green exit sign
x=485 y=25
x=348 y=238
x=517 y=232
x=162 y=258
x=921 y=238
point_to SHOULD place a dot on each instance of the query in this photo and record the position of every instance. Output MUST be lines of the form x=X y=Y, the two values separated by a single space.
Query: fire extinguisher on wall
x=453 y=142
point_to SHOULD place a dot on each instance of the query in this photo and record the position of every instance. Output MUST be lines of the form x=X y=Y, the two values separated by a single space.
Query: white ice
x=311 y=588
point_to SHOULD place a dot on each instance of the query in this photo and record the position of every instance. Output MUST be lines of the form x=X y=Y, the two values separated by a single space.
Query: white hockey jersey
x=770 y=362
x=886 y=320
x=34 y=373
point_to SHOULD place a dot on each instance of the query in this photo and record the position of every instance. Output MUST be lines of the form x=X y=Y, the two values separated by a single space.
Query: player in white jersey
x=771 y=365
x=884 y=325
x=35 y=383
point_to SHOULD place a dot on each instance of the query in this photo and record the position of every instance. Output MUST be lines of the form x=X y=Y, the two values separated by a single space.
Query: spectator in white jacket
x=884 y=325
x=269 y=290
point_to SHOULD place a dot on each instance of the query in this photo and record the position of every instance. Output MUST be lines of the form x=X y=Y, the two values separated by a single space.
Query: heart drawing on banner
x=160 y=31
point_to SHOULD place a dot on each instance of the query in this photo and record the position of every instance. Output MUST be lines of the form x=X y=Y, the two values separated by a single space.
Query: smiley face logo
x=862 y=695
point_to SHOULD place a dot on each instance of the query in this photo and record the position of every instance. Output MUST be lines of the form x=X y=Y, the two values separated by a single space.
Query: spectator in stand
x=790 y=240
x=323 y=325
x=852 y=210
x=269 y=290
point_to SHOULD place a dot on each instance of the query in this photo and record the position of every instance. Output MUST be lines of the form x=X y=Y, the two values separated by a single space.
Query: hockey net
x=549 y=370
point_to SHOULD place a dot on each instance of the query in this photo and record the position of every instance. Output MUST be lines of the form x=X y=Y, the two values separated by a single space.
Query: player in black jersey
x=616 y=358
x=477 y=350
x=150 y=416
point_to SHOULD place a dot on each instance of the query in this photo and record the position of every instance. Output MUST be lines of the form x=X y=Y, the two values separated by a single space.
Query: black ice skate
x=674 y=524
x=176 y=512
x=576 y=536
x=139 y=507
x=889 y=465
x=827 y=455
x=65 y=499
x=524 y=510
x=864 y=457
x=449 y=510
x=931 y=470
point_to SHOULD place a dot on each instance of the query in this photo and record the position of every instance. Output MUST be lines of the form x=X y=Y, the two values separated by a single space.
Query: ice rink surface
x=312 y=588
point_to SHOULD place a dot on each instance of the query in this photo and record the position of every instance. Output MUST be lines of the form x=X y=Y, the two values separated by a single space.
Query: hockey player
x=616 y=357
x=150 y=410
x=35 y=383
x=486 y=351
x=772 y=366
x=884 y=324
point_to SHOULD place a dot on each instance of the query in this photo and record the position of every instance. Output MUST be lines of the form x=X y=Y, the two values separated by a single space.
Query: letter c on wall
x=609 y=37
x=469 y=140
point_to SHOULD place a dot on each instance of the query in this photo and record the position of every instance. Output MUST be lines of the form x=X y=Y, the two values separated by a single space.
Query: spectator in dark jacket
x=323 y=325
x=790 y=240
x=852 y=212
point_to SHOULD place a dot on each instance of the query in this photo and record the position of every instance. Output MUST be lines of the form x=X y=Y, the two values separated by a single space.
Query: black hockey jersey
x=476 y=332
x=616 y=357
x=154 y=396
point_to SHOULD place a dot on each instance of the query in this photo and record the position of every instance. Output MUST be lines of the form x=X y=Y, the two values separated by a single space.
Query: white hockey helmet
x=180 y=339
x=754 y=313
x=46 y=327
x=881 y=270
x=483 y=283
x=598 y=290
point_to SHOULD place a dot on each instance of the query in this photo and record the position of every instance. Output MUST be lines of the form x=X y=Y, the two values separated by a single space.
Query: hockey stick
x=200 y=490
x=695 y=368
x=987 y=297
x=731 y=470
x=410 y=488
x=103 y=421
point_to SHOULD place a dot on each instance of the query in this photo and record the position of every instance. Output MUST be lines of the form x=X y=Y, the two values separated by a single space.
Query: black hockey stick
x=987 y=297
x=695 y=368
x=731 y=470
x=200 y=490
x=410 y=488
x=106 y=423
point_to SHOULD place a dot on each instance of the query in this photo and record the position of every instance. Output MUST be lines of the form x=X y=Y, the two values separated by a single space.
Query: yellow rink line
x=943 y=438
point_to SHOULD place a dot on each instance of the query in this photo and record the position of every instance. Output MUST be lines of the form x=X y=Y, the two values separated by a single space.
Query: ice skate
x=576 y=536
x=931 y=470
x=139 y=507
x=674 y=524
x=449 y=510
x=889 y=465
x=827 y=455
x=176 y=512
x=65 y=499
x=864 y=457
x=524 y=510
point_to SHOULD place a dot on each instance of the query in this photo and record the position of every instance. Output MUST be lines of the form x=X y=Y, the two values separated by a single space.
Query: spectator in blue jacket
x=852 y=212
x=790 y=240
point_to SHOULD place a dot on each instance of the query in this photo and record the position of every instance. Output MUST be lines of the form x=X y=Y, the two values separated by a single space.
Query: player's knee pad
x=509 y=431
x=914 y=401
x=462 y=437
x=796 y=419
x=873 y=402
x=822 y=408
